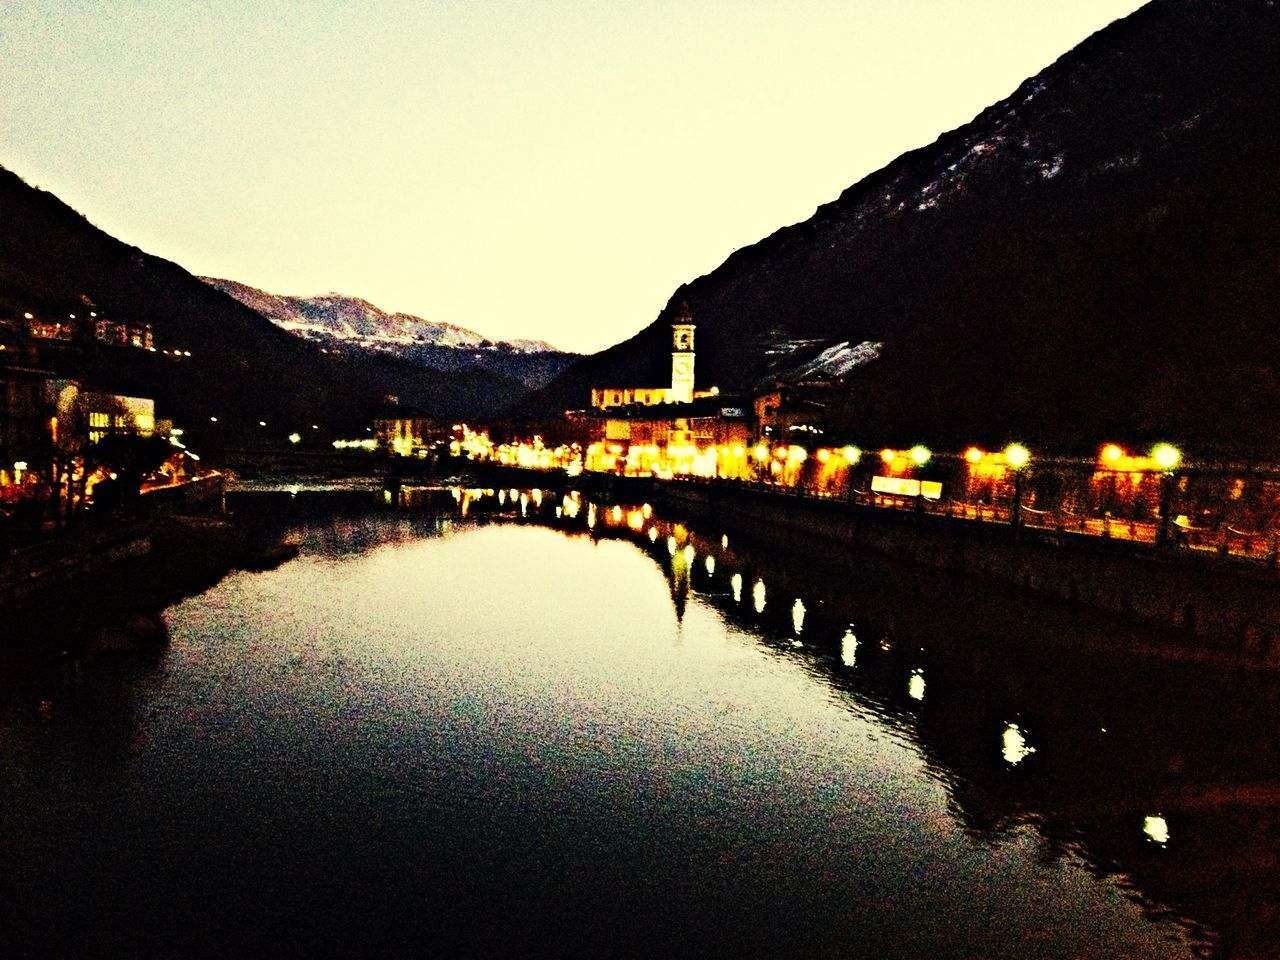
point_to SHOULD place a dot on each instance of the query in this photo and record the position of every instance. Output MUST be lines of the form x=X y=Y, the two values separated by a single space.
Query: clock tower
x=682 y=356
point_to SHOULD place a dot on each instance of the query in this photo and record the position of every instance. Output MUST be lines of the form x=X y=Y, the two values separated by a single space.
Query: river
x=515 y=723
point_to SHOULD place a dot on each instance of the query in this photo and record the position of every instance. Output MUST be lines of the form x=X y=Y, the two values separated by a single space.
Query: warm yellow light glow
x=724 y=541
x=616 y=513
x=1157 y=828
x=20 y=465
x=671 y=546
x=1112 y=453
x=646 y=511
x=973 y=455
x=1014 y=747
x=735 y=584
x=761 y=452
x=295 y=437
x=915 y=686
x=1166 y=456
x=824 y=456
x=852 y=455
x=1017 y=455
x=849 y=648
x=888 y=456
x=689 y=554
x=796 y=454
x=757 y=596
x=739 y=450
x=710 y=564
x=921 y=454
x=797 y=616
x=653 y=534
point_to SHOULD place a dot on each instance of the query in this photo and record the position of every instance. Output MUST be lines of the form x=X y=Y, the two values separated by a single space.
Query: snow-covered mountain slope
x=350 y=324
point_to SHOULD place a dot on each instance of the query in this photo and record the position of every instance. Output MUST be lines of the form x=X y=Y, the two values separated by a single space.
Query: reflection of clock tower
x=682 y=357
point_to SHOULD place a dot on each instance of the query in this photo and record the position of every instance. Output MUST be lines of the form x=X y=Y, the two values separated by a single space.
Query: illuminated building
x=408 y=432
x=681 y=389
x=109 y=414
x=708 y=437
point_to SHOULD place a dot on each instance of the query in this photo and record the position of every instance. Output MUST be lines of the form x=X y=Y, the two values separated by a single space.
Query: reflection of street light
x=1017 y=456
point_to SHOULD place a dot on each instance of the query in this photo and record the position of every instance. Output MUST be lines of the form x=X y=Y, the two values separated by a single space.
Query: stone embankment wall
x=57 y=562
x=62 y=561
x=1219 y=606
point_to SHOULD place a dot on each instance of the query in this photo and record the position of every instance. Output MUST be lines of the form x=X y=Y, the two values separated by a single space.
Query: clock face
x=681 y=367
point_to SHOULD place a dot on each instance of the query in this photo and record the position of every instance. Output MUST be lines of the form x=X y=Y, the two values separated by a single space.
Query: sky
x=550 y=169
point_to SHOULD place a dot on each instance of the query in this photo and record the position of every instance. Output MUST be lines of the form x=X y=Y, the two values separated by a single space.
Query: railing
x=1227 y=541
x=1258 y=547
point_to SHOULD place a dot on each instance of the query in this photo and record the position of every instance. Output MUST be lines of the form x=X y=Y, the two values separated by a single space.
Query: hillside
x=1096 y=256
x=242 y=369
x=355 y=326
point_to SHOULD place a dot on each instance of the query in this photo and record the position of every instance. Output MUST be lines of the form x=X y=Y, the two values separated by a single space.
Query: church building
x=681 y=389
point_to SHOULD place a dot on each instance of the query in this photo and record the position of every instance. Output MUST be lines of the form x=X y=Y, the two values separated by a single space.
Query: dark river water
x=530 y=725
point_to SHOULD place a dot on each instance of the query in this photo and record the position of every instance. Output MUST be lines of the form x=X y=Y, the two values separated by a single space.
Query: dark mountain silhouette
x=242 y=368
x=1095 y=257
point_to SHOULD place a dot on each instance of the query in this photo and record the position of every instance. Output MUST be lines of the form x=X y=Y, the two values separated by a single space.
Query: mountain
x=356 y=326
x=241 y=368
x=1095 y=257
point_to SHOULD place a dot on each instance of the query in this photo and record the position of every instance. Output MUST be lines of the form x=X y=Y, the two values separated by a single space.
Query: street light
x=1167 y=458
x=921 y=454
x=1017 y=456
x=295 y=437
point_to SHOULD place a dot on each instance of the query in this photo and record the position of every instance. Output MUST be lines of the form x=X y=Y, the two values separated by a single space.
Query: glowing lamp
x=761 y=452
x=1112 y=453
x=824 y=455
x=852 y=455
x=920 y=454
x=973 y=455
x=1017 y=455
x=1166 y=456
x=796 y=454
x=888 y=456
x=20 y=465
x=295 y=437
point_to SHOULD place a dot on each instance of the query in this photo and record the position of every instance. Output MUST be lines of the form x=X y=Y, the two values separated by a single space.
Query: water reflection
x=1014 y=745
x=1117 y=732
x=915 y=685
x=1108 y=750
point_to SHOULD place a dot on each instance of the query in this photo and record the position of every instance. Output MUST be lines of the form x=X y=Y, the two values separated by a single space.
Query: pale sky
x=548 y=169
